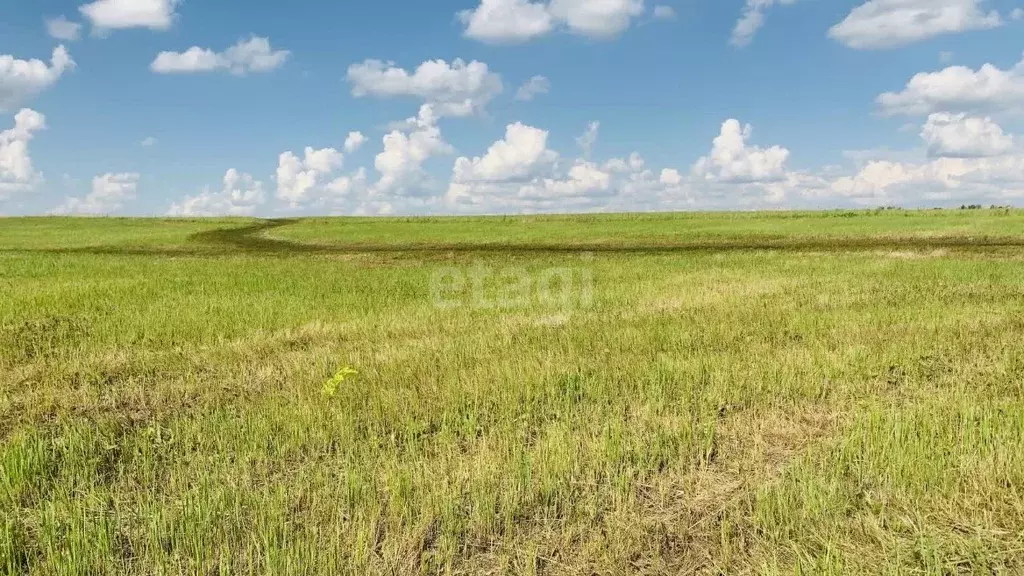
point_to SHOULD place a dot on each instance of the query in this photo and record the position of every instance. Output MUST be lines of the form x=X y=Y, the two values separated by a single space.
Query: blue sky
x=690 y=104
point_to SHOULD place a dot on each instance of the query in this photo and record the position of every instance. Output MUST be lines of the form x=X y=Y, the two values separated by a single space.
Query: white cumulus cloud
x=252 y=55
x=354 y=141
x=520 y=155
x=16 y=170
x=584 y=179
x=733 y=159
x=109 y=192
x=962 y=136
x=510 y=164
x=509 y=21
x=240 y=195
x=119 y=14
x=519 y=173
x=600 y=19
x=400 y=164
x=22 y=79
x=350 y=185
x=889 y=23
x=671 y=177
x=298 y=178
x=941 y=180
x=959 y=89
x=458 y=89
x=970 y=160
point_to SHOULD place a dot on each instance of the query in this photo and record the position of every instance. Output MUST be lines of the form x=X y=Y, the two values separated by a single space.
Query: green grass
x=778 y=393
x=657 y=229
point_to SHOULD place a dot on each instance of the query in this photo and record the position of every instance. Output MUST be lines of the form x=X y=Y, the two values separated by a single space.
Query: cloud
x=498 y=21
x=109 y=192
x=298 y=178
x=252 y=55
x=23 y=79
x=354 y=141
x=350 y=185
x=587 y=140
x=961 y=136
x=1017 y=14
x=970 y=160
x=119 y=14
x=532 y=88
x=400 y=164
x=583 y=186
x=995 y=179
x=635 y=187
x=519 y=173
x=634 y=163
x=599 y=20
x=240 y=195
x=671 y=177
x=63 y=29
x=459 y=89
x=149 y=141
x=16 y=170
x=585 y=179
x=522 y=154
x=732 y=159
x=511 y=21
x=752 y=20
x=890 y=23
x=662 y=12
x=959 y=89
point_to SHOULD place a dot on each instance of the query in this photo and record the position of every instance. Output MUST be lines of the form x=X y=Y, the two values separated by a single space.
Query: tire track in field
x=253 y=238
x=250 y=238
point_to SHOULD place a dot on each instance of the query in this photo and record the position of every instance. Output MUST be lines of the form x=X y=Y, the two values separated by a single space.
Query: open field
x=814 y=393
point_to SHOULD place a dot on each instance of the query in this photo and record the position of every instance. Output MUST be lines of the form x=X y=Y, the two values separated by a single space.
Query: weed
x=331 y=386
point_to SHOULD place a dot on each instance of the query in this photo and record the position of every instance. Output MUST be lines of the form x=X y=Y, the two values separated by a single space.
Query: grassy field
x=784 y=393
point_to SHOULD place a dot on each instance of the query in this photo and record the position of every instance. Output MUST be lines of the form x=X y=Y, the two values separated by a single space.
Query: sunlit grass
x=175 y=399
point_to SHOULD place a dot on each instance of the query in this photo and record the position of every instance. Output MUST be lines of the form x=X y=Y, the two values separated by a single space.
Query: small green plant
x=331 y=386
